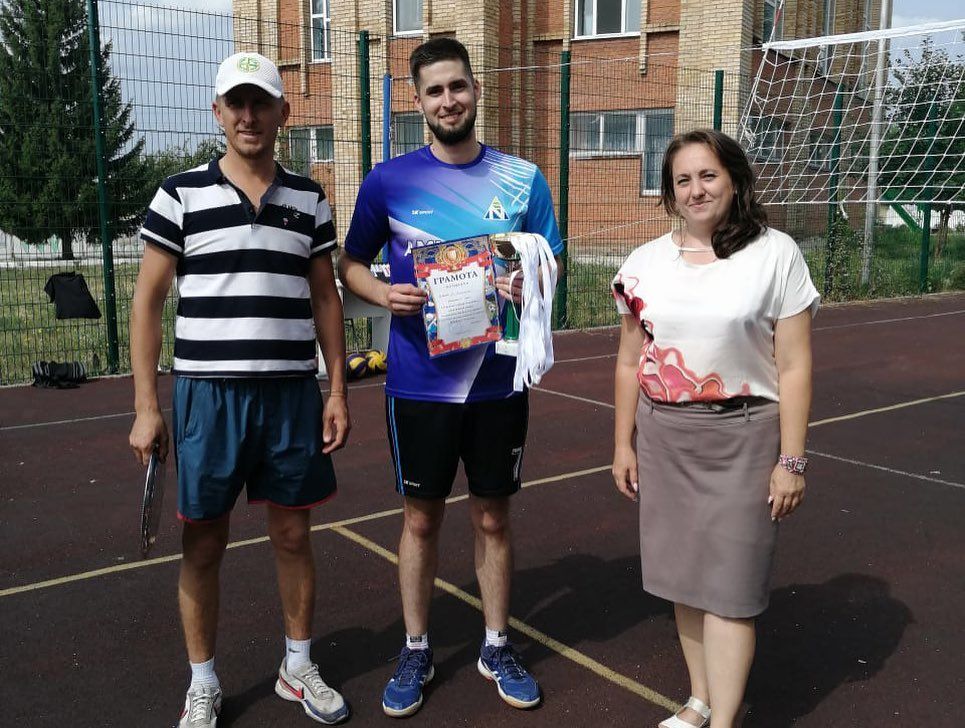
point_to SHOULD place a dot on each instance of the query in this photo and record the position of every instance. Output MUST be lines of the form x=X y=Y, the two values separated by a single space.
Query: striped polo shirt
x=244 y=308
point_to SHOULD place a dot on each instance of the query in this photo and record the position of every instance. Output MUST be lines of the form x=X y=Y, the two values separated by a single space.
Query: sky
x=914 y=12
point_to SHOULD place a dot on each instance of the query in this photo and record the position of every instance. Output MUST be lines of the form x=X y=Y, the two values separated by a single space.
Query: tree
x=159 y=165
x=48 y=167
x=923 y=147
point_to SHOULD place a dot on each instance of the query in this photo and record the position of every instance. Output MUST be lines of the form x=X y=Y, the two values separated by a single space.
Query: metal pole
x=560 y=315
x=386 y=117
x=925 y=248
x=718 y=98
x=871 y=202
x=833 y=158
x=107 y=251
x=929 y=165
x=365 y=101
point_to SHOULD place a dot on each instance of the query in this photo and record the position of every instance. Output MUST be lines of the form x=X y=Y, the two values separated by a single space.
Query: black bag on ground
x=56 y=375
x=71 y=297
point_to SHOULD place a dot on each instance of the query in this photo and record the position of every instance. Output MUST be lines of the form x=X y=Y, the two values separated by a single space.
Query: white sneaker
x=201 y=707
x=306 y=686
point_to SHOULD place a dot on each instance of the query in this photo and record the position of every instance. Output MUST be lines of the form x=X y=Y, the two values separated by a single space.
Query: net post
x=929 y=165
x=560 y=314
x=107 y=251
x=833 y=159
x=871 y=203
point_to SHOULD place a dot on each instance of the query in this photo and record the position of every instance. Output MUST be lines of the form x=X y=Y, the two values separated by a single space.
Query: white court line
x=816 y=423
x=263 y=539
x=598 y=668
x=888 y=321
x=561 y=361
x=10 y=428
x=887 y=470
x=573 y=396
x=586 y=358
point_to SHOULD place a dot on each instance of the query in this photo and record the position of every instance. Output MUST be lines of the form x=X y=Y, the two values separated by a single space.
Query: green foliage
x=48 y=164
x=160 y=165
x=842 y=263
x=924 y=141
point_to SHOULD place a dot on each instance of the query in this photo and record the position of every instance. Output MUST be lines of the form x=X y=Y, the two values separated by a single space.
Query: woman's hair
x=747 y=218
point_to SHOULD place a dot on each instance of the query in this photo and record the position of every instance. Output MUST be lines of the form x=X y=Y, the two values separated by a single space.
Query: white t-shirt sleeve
x=625 y=282
x=798 y=292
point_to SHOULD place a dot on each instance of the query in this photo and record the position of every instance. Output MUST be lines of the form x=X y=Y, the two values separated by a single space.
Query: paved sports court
x=865 y=624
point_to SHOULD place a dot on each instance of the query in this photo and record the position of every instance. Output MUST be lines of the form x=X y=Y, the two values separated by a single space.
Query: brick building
x=641 y=70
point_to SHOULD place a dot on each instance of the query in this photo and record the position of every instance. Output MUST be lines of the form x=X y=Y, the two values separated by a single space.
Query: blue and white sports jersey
x=416 y=200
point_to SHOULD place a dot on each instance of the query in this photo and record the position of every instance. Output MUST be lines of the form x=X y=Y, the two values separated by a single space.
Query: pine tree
x=48 y=170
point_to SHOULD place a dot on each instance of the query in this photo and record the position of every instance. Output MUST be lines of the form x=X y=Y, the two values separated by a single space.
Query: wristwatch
x=793 y=463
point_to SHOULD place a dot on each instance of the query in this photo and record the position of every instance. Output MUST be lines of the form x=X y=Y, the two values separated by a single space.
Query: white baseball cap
x=253 y=68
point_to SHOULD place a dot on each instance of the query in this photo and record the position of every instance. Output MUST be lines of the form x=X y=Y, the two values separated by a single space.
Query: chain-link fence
x=591 y=116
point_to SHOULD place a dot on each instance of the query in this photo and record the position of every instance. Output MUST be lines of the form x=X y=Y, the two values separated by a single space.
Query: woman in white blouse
x=713 y=389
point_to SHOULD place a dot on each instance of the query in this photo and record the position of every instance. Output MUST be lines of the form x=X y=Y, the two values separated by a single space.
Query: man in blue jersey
x=251 y=246
x=456 y=407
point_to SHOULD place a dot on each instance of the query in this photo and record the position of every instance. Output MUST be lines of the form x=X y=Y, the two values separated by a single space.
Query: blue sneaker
x=403 y=694
x=516 y=686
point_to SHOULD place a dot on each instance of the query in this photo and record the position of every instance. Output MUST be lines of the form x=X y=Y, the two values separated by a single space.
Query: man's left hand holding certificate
x=461 y=310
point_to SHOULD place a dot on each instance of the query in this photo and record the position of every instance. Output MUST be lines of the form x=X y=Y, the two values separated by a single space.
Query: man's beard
x=454 y=135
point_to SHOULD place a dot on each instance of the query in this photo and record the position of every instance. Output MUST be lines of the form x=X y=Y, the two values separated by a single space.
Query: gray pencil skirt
x=706 y=535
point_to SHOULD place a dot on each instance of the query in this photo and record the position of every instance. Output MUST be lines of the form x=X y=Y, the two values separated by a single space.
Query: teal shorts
x=265 y=434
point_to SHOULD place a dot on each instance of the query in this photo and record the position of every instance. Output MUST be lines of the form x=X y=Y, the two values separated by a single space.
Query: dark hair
x=435 y=50
x=747 y=218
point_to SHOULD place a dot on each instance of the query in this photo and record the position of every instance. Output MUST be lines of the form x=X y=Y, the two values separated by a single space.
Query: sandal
x=702 y=709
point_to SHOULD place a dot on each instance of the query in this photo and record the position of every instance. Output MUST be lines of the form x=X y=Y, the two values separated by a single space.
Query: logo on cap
x=247 y=64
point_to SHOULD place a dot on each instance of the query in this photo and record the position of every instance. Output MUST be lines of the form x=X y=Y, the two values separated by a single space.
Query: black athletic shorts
x=428 y=439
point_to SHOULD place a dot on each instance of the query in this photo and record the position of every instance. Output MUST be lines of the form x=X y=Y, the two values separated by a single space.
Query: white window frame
x=866 y=23
x=640 y=146
x=639 y=133
x=313 y=156
x=827 y=21
x=326 y=19
x=395 y=19
x=395 y=141
x=819 y=152
x=827 y=28
x=777 y=21
x=577 y=7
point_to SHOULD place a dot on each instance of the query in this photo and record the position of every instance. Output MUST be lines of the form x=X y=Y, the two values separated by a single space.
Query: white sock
x=203 y=675
x=297 y=653
x=417 y=642
x=496 y=638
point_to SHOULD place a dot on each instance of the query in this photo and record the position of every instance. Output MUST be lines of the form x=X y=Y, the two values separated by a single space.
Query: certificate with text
x=462 y=309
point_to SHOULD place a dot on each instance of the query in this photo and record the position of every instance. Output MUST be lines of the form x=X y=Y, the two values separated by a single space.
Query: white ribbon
x=537 y=265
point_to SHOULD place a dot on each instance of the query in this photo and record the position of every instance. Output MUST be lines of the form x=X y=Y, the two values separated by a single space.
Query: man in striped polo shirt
x=251 y=244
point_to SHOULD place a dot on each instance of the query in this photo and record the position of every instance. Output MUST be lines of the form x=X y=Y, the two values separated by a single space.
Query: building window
x=310 y=144
x=321 y=32
x=819 y=152
x=766 y=136
x=644 y=132
x=407 y=133
x=607 y=17
x=407 y=16
x=827 y=26
x=773 y=21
